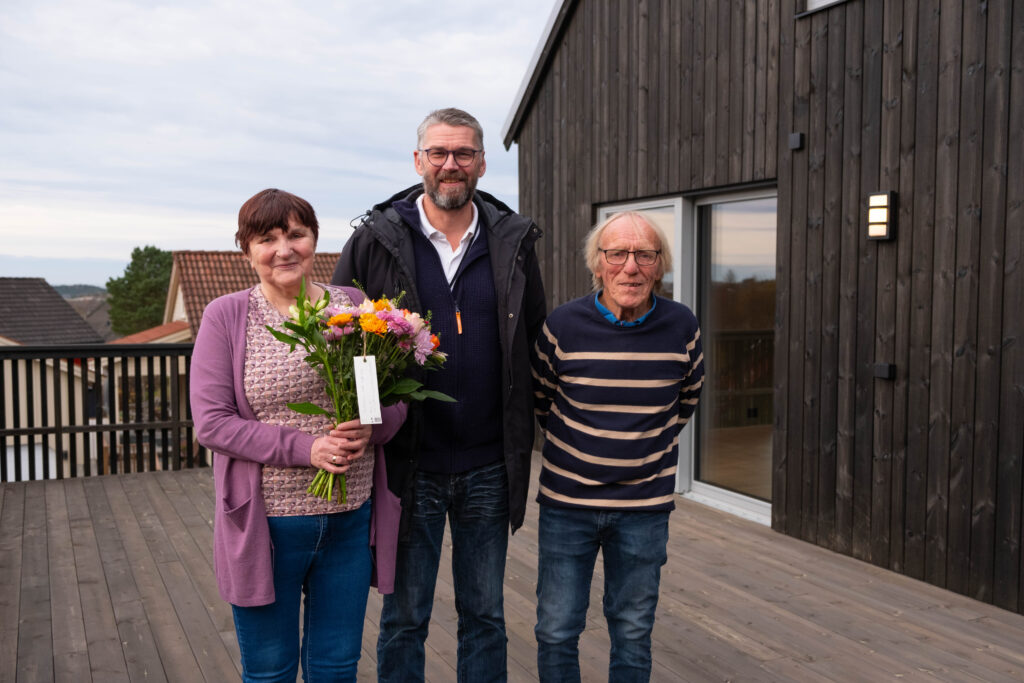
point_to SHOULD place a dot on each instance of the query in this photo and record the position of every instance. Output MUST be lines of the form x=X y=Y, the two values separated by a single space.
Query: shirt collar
x=610 y=317
x=432 y=233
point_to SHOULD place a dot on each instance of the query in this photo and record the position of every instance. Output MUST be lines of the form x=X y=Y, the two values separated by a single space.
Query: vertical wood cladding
x=644 y=98
x=923 y=473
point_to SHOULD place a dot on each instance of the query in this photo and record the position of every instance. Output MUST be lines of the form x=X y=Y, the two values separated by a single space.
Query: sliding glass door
x=736 y=309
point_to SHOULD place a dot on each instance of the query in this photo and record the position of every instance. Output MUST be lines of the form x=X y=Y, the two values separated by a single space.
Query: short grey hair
x=451 y=117
x=592 y=242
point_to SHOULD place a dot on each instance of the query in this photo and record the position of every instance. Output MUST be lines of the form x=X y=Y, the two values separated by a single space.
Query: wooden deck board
x=111 y=578
x=175 y=654
x=106 y=656
x=35 y=639
x=71 y=655
x=11 y=530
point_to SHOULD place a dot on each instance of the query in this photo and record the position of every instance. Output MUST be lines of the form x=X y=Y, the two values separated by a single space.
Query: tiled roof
x=33 y=312
x=206 y=275
x=154 y=333
x=95 y=310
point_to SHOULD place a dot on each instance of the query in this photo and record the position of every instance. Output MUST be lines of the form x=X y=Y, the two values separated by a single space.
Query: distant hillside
x=72 y=291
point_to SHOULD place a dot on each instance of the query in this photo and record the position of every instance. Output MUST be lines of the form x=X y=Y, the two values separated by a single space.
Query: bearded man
x=468 y=259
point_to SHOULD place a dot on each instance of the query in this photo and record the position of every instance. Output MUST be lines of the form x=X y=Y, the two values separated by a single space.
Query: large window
x=737 y=311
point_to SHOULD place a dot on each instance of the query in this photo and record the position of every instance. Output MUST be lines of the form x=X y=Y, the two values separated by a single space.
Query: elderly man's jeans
x=327 y=558
x=633 y=546
x=476 y=505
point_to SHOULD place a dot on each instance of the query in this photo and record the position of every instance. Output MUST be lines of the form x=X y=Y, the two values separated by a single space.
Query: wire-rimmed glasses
x=643 y=257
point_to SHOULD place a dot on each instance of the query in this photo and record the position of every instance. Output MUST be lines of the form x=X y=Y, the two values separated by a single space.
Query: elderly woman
x=273 y=541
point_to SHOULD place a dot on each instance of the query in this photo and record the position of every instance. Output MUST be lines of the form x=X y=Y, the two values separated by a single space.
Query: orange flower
x=371 y=323
x=340 y=319
x=382 y=305
x=435 y=341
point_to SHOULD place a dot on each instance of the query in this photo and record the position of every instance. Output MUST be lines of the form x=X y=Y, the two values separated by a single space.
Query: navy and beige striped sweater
x=612 y=402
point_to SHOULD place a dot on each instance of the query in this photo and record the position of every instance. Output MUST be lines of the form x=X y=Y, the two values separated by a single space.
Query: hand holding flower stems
x=335 y=451
x=333 y=335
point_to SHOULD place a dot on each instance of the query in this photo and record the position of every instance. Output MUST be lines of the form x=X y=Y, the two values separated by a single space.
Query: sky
x=126 y=123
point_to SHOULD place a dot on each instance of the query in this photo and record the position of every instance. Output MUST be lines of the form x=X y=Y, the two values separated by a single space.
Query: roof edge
x=538 y=65
x=172 y=289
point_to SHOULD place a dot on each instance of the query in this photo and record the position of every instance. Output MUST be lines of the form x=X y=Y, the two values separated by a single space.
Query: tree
x=137 y=298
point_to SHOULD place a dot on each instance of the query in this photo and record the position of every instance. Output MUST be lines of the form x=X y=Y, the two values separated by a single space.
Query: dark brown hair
x=271 y=209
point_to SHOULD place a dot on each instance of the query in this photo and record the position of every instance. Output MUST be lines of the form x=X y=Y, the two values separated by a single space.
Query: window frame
x=808 y=7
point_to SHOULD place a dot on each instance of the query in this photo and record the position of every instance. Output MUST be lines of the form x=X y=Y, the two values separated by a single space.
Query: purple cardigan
x=226 y=424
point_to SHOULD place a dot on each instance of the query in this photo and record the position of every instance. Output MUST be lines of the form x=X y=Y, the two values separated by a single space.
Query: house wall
x=646 y=98
x=922 y=473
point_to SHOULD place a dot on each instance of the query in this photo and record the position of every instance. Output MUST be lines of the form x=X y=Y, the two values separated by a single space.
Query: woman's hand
x=340 y=446
x=354 y=435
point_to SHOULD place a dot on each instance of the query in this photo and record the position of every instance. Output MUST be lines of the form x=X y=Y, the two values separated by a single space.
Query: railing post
x=176 y=410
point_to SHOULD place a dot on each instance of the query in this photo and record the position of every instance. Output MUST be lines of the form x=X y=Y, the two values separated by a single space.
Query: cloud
x=129 y=123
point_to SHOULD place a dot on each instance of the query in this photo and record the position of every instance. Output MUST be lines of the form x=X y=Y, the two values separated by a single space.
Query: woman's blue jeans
x=326 y=559
x=633 y=545
x=476 y=505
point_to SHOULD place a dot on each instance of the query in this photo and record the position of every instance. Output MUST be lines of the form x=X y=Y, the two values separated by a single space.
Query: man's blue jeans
x=476 y=505
x=327 y=558
x=633 y=545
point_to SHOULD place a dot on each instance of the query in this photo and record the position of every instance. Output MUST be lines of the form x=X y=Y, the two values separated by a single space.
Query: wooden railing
x=84 y=410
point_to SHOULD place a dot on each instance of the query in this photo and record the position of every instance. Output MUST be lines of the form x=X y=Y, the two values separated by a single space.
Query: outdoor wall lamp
x=881 y=215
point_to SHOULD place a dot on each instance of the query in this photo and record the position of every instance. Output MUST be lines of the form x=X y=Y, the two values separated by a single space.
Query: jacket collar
x=492 y=214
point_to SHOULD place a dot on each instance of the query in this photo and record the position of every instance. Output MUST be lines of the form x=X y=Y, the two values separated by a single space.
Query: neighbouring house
x=199 y=277
x=33 y=313
x=95 y=310
x=843 y=184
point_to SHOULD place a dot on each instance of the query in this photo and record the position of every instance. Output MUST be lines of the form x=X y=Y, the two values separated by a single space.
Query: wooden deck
x=111 y=579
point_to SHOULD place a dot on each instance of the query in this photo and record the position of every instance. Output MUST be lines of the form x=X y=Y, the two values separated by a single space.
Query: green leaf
x=437 y=395
x=424 y=394
x=282 y=337
x=308 y=408
x=405 y=385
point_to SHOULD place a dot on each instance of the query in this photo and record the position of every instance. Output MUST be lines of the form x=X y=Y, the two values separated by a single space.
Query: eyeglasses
x=643 y=257
x=438 y=156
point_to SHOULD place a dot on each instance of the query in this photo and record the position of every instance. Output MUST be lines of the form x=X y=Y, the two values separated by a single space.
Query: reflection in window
x=737 y=312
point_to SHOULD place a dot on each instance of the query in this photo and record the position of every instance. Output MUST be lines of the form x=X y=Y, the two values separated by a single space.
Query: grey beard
x=450 y=202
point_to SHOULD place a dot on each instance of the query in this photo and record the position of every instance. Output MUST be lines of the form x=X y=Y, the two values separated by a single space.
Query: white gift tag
x=366 y=390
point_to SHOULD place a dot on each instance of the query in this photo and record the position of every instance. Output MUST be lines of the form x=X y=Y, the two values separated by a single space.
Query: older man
x=617 y=374
x=468 y=259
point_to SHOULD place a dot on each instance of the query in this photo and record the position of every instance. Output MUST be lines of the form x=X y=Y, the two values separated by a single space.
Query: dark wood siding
x=923 y=473
x=644 y=98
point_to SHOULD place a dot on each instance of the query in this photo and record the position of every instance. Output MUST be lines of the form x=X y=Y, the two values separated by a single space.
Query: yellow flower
x=340 y=319
x=371 y=323
x=382 y=305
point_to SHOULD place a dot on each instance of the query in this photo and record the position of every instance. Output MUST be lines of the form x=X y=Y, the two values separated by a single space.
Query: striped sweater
x=612 y=402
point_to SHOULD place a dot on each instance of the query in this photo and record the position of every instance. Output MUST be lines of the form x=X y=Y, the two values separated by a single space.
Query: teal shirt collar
x=610 y=317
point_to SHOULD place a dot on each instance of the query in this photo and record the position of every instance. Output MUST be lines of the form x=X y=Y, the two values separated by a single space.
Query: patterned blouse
x=273 y=378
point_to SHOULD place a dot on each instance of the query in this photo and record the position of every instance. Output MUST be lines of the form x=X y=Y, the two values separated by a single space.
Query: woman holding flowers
x=273 y=541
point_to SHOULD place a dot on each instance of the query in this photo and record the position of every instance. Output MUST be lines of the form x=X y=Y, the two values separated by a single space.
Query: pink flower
x=414 y=320
x=400 y=326
x=424 y=346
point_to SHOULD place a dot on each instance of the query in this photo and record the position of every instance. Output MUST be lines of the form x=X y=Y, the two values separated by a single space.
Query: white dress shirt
x=450 y=258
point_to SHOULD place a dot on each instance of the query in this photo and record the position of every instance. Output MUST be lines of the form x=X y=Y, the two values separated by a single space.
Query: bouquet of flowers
x=333 y=336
